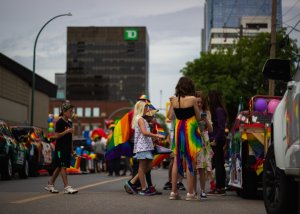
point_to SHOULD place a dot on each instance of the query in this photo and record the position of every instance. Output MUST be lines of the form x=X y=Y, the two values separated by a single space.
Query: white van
x=281 y=176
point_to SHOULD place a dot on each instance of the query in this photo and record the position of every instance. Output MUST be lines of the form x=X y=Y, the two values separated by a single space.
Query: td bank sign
x=131 y=34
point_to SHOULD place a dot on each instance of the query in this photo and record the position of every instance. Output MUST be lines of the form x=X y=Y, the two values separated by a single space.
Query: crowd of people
x=196 y=138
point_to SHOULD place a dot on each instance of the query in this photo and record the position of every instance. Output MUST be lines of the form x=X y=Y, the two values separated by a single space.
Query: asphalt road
x=99 y=193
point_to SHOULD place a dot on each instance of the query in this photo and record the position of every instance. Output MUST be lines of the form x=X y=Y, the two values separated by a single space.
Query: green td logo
x=131 y=34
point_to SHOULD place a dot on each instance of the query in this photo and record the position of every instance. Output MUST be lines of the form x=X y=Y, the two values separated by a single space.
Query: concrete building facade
x=15 y=94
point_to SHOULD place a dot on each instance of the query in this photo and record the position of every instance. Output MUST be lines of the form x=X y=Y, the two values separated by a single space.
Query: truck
x=281 y=170
x=248 y=143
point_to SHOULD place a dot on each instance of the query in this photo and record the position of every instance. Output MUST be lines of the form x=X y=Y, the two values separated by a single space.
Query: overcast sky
x=174 y=28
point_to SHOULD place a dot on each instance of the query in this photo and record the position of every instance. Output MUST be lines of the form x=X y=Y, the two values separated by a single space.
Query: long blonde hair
x=138 y=112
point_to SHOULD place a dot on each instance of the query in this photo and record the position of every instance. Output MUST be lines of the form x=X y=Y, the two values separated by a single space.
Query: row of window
x=82 y=112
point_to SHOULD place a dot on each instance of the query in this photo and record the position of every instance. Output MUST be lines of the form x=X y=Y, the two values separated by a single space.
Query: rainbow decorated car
x=249 y=138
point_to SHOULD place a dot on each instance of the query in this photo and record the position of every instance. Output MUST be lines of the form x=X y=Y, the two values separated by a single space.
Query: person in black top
x=218 y=139
x=63 y=149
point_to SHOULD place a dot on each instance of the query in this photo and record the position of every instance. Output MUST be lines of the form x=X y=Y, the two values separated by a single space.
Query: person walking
x=204 y=157
x=63 y=149
x=187 y=138
x=218 y=140
x=143 y=147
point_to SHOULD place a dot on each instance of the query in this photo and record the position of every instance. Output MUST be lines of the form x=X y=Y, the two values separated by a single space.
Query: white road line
x=26 y=200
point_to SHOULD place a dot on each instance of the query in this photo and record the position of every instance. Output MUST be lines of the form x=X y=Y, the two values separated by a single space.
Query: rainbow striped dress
x=187 y=139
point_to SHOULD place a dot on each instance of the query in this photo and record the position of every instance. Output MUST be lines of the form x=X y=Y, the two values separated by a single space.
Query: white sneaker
x=51 y=188
x=191 y=197
x=174 y=196
x=70 y=190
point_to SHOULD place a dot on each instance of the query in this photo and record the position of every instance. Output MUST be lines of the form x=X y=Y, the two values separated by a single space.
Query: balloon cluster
x=51 y=124
x=263 y=105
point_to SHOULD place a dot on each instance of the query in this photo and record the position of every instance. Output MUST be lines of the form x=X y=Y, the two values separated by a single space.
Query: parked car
x=13 y=155
x=41 y=151
x=281 y=176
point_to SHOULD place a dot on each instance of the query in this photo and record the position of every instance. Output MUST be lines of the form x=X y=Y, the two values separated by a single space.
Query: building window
x=60 y=95
x=56 y=111
x=95 y=126
x=96 y=112
x=87 y=127
x=79 y=111
x=87 y=112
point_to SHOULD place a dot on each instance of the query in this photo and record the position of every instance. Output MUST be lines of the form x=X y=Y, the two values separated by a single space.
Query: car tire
x=24 y=172
x=279 y=191
x=33 y=161
x=249 y=177
x=7 y=170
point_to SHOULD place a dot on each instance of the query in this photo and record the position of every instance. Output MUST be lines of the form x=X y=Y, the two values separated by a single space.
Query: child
x=63 y=149
x=205 y=155
x=143 y=147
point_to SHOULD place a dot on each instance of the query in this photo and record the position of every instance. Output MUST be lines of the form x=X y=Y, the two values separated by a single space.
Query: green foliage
x=237 y=71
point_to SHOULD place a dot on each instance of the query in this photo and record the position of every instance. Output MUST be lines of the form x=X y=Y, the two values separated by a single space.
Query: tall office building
x=60 y=81
x=227 y=19
x=107 y=63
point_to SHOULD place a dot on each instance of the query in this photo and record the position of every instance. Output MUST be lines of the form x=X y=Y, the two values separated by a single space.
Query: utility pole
x=273 y=44
x=241 y=31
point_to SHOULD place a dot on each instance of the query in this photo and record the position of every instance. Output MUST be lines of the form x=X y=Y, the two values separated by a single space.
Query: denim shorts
x=144 y=155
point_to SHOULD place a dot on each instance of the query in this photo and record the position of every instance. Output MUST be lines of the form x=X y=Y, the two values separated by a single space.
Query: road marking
x=61 y=193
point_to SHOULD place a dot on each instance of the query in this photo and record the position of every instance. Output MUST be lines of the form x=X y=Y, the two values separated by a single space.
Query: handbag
x=161 y=150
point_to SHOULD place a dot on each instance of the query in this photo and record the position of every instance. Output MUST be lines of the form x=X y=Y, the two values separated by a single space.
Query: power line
x=293 y=28
x=291 y=8
x=263 y=3
x=292 y=18
x=289 y=26
x=230 y=12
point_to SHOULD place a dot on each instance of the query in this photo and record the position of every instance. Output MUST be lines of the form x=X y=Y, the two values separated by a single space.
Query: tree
x=237 y=71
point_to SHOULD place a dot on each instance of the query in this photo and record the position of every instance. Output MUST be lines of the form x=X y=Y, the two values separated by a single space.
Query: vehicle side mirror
x=277 y=69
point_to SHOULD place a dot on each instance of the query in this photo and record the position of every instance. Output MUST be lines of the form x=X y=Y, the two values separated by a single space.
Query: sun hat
x=144 y=97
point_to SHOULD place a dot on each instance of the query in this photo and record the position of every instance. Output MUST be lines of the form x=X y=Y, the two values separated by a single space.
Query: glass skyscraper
x=228 y=13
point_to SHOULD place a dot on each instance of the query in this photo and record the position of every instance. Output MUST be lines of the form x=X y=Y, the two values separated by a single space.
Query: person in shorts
x=63 y=149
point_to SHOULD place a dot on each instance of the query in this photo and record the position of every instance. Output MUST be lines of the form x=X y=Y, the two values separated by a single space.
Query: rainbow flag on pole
x=119 y=140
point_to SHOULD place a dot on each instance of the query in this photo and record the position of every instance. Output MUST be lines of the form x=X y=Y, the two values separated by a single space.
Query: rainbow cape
x=118 y=142
x=158 y=159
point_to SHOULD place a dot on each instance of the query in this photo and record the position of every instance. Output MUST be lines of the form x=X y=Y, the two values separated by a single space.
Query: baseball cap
x=151 y=112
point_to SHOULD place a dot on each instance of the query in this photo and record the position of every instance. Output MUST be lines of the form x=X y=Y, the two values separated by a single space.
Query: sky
x=174 y=28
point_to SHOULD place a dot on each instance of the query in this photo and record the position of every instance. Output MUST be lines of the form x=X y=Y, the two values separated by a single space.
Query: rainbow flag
x=158 y=159
x=118 y=142
x=160 y=130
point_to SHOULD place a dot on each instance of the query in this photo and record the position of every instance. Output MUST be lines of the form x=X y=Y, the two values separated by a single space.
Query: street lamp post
x=33 y=66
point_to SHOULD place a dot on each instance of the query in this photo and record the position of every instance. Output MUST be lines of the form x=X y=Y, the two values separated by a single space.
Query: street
x=99 y=193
